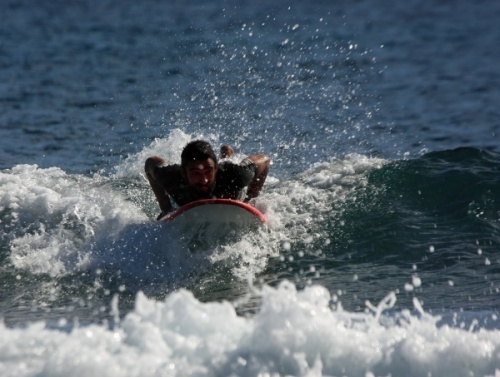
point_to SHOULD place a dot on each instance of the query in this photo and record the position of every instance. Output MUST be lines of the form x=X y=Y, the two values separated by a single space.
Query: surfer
x=201 y=176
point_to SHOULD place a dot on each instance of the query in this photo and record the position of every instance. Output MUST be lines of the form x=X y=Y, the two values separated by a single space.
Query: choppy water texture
x=381 y=254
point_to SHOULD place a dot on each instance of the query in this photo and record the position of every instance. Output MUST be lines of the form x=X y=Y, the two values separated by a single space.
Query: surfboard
x=217 y=211
x=206 y=224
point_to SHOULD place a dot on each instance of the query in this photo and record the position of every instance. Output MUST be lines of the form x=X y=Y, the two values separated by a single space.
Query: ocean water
x=381 y=256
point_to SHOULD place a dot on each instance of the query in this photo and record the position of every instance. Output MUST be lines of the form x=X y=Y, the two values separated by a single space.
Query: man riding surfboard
x=201 y=176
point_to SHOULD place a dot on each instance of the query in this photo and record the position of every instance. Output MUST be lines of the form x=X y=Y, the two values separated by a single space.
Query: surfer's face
x=200 y=175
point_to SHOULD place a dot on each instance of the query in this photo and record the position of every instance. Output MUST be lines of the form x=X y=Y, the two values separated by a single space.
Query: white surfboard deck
x=216 y=211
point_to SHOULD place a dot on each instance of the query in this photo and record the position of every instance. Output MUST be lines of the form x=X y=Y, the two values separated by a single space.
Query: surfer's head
x=199 y=168
x=197 y=150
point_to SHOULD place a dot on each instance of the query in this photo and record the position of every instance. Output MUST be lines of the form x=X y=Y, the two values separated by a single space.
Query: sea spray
x=293 y=333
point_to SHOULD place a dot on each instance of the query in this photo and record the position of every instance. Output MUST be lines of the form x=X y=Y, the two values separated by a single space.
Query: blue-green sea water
x=381 y=254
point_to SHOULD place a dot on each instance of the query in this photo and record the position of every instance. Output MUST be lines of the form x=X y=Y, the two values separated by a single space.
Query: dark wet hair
x=197 y=150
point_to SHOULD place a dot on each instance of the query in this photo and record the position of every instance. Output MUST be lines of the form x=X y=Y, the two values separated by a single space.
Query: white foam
x=50 y=217
x=295 y=204
x=294 y=333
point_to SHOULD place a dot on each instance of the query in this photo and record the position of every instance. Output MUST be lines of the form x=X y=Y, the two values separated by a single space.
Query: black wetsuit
x=230 y=181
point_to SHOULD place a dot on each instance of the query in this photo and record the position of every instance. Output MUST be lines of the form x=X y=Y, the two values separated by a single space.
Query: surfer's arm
x=226 y=151
x=160 y=193
x=262 y=164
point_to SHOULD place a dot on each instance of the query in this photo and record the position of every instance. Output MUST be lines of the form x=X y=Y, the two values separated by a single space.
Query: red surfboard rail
x=247 y=207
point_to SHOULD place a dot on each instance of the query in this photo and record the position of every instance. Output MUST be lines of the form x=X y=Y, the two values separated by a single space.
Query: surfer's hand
x=226 y=151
